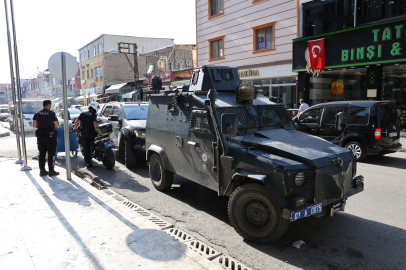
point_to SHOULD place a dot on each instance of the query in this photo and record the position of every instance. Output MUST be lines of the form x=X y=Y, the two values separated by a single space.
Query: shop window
x=217 y=48
x=264 y=37
x=215 y=7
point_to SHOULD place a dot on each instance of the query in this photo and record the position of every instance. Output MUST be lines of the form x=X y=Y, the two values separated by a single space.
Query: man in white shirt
x=303 y=106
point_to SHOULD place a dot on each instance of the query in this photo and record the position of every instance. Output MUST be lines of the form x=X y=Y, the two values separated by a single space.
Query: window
x=88 y=54
x=332 y=112
x=215 y=7
x=116 y=111
x=83 y=75
x=216 y=48
x=200 y=122
x=311 y=116
x=99 y=48
x=88 y=74
x=94 y=50
x=106 y=111
x=264 y=37
x=91 y=73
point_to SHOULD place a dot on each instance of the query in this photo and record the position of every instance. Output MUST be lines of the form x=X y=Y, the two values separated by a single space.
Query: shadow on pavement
x=387 y=161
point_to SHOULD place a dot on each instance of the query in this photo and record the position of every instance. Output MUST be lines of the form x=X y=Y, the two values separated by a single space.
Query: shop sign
x=383 y=42
x=82 y=91
x=166 y=76
x=161 y=64
x=248 y=73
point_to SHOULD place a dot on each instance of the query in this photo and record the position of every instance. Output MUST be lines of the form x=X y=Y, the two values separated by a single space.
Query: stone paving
x=53 y=223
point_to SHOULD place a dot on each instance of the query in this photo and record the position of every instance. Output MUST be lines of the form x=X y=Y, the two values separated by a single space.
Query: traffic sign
x=55 y=65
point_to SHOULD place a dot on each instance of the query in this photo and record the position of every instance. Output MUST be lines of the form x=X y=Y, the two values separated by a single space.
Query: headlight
x=299 y=179
x=140 y=134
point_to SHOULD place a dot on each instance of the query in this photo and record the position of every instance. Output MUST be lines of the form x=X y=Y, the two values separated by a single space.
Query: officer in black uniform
x=45 y=122
x=89 y=124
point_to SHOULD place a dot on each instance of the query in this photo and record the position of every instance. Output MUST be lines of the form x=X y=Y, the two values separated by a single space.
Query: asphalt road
x=370 y=234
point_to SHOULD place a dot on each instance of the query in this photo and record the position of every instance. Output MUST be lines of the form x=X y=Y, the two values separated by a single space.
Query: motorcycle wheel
x=108 y=160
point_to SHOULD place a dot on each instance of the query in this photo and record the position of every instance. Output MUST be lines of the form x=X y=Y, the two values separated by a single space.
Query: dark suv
x=373 y=127
x=128 y=120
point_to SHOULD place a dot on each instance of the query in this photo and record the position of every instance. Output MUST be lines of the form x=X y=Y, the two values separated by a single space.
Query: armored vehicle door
x=200 y=143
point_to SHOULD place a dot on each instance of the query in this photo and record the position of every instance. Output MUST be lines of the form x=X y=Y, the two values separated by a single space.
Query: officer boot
x=43 y=172
x=52 y=172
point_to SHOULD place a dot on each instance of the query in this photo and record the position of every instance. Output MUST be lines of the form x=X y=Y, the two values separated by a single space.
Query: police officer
x=88 y=120
x=45 y=122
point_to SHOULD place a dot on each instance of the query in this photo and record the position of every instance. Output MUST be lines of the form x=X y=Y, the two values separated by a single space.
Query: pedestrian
x=88 y=121
x=303 y=106
x=45 y=122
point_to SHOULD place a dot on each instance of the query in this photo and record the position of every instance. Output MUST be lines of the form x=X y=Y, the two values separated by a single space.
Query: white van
x=30 y=107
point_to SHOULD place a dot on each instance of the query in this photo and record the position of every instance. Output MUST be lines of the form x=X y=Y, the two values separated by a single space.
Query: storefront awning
x=115 y=88
x=128 y=95
x=79 y=98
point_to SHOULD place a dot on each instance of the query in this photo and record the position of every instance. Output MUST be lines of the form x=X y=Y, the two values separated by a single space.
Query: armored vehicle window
x=245 y=118
x=226 y=74
x=200 y=122
x=270 y=114
x=195 y=77
x=311 y=116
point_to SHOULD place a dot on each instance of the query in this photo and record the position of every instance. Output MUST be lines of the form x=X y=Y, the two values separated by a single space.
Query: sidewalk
x=4 y=131
x=52 y=223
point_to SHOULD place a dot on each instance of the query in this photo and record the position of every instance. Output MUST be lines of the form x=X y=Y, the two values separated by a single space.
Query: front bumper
x=139 y=148
x=357 y=186
x=380 y=150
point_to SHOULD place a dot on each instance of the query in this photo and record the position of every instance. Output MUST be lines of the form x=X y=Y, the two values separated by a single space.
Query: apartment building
x=101 y=65
x=255 y=36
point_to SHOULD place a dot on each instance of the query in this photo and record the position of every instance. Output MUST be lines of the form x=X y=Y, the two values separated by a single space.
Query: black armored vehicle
x=227 y=137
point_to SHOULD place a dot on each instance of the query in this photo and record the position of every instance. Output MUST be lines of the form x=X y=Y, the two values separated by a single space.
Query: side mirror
x=340 y=124
x=229 y=123
x=113 y=118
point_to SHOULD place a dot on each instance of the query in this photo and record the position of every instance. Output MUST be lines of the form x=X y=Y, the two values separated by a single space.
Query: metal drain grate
x=130 y=205
x=108 y=192
x=180 y=235
x=203 y=249
x=118 y=197
x=87 y=180
x=229 y=263
x=162 y=224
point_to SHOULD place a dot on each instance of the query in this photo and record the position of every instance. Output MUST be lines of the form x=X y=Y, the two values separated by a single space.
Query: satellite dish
x=55 y=65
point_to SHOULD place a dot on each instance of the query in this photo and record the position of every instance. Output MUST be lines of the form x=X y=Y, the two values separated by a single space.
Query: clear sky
x=47 y=26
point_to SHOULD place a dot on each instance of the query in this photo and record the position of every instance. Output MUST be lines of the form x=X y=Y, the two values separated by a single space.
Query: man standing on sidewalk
x=89 y=124
x=303 y=106
x=45 y=122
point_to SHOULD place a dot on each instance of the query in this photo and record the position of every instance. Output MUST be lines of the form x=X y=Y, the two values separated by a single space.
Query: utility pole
x=125 y=48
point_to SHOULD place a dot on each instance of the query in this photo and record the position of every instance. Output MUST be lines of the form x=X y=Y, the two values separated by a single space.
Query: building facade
x=364 y=54
x=173 y=63
x=101 y=66
x=255 y=36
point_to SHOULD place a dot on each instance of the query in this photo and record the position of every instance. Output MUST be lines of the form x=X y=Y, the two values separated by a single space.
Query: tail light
x=378 y=134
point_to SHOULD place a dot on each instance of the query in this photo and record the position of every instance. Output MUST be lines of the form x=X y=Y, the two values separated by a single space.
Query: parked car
x=373 y=127
x=3 y=112
x=74 y=114
x=76 y=107
x=101 y=106
x=84 y=108
x=128 y=120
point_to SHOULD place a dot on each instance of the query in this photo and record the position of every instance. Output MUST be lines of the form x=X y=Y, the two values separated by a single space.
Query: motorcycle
x=102 y=146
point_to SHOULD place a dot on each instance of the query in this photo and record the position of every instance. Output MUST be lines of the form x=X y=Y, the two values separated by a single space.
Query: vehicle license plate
x=109 y=144
x=393 y=134
x=307 y=212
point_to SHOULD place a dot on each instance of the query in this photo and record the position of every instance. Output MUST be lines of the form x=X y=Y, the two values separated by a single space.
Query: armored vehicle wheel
x=129 y=155
x=161 y=179
x=108 y=160
x=255 y=214
x=357 y=149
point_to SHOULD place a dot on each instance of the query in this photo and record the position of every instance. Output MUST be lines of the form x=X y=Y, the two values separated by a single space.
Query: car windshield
x=4 y=110
x=31 y=107
x=135 y=112
x=84 y=108
x=74 y=111
x=259 y=116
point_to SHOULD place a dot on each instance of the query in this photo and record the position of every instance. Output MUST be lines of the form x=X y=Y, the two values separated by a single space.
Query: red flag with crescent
x=316 y=53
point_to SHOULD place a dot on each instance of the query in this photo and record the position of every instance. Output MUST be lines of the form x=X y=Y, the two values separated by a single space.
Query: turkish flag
x=316 y=53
